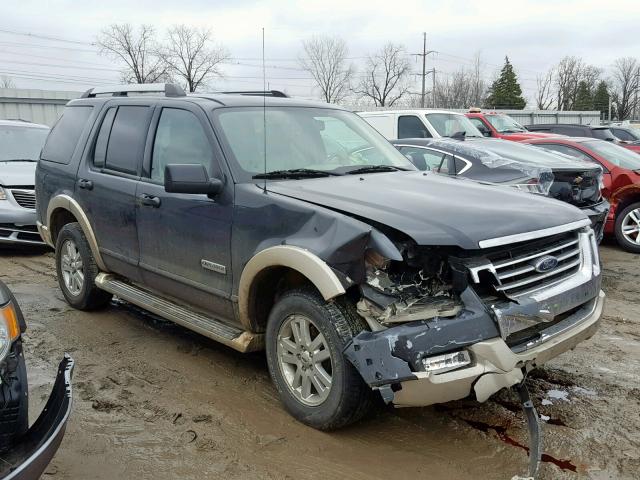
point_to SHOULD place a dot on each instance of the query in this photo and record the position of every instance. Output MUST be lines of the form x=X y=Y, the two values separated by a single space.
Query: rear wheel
x=77 y=270
x=627 y=228
x=305 y=339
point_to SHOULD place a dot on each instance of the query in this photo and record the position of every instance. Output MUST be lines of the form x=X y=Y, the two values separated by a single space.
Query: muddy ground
x=155 y=401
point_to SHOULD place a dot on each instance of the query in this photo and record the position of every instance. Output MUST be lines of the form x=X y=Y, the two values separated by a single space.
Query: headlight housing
x=9 y=328
x=3 y=194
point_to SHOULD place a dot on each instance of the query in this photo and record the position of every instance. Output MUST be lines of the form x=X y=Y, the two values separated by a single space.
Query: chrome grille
x=25 y=198
x=517 y=275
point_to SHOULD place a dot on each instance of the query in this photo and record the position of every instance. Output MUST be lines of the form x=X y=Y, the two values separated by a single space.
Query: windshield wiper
x=18 y=160
x=296 y=173
x=374 y=169
x=512 y=131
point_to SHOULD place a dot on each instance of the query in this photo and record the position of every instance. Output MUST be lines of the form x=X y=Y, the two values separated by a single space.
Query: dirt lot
x=153 y=400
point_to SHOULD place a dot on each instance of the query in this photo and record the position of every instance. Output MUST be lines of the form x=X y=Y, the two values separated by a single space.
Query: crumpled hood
x=433 y=209
x=18 y=174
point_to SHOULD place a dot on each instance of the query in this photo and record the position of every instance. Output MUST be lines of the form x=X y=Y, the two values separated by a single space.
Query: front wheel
x=628 y=228
x=305 y=339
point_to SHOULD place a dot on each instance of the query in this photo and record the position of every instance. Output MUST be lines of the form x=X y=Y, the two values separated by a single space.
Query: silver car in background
x=20 y=145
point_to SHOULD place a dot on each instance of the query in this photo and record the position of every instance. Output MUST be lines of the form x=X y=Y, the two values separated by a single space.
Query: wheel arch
x=625 y=197
x=63 y=209
x=257 y=290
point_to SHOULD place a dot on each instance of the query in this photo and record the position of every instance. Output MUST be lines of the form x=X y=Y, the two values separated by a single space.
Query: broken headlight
x=406 y=291
x=446 y=362
x=9 y=328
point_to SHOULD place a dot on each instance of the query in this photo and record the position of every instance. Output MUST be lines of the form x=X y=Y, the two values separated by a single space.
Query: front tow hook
x=535 y=430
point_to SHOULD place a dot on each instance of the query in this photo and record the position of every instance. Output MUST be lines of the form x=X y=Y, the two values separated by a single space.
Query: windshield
x=505 y=124
x=21 y=143
x=615 y=154
x=449 y=124
x=325 y=140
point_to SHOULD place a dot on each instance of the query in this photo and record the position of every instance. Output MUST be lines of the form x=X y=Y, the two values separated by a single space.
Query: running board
x=233 y=337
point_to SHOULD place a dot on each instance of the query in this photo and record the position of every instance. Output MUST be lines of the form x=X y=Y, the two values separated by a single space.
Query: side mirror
x=190 y=178
x=486 y=133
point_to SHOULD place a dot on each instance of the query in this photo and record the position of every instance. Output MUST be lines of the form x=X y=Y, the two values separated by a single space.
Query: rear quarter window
x=63 y=138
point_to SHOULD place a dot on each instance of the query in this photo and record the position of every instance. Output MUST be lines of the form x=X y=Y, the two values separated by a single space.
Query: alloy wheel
x=72 y=267
x=631 y=226
x=305 y=360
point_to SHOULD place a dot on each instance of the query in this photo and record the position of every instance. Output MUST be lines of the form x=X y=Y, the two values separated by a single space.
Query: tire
x=77 y=270
x=629 y=220
x=348 y=398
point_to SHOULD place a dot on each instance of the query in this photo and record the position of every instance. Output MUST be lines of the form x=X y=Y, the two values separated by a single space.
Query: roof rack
x=259 y=93
x=168 y=89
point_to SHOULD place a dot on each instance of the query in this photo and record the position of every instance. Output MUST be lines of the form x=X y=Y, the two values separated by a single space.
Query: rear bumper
x=29 y=457
x=496 y=366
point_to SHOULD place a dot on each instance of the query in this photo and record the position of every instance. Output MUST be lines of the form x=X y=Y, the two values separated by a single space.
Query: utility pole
x=635 y=102
x=424 y=74
x=609 y=108
x=433 y=89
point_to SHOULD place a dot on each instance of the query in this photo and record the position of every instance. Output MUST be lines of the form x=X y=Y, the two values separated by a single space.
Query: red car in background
x=621 y=181
x=499 y=125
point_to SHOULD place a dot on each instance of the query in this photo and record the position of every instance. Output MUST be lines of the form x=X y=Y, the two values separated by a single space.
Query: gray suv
x=272 y=223
x=20 y=145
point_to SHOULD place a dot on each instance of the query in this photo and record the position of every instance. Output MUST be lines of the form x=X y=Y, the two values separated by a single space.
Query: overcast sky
x=534 y=34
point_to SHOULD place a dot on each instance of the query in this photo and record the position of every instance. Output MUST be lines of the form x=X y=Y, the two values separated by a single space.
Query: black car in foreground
x=25 y=452
x=515 y=165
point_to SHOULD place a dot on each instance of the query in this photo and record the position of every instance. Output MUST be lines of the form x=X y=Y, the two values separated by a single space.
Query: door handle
x=85 y=184
x=149 y=200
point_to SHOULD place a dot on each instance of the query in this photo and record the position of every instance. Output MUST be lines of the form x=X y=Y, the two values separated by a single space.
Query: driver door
x=185 y=239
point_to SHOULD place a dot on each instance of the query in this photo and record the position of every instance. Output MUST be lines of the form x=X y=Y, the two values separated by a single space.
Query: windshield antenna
x=264 y=113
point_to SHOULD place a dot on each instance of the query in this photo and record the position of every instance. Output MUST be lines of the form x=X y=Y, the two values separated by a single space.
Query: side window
x=623 y=135
x=479 y=124
x=460 y=166
x=126 y=141
x=565 y=150
x=447 y=166
x=410 y=126
x=422 y=158
x=63 y=139
x=100 y=150
x=181 y=139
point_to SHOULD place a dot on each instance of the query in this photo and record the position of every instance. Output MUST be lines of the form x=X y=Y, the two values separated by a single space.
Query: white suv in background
x=420 y=123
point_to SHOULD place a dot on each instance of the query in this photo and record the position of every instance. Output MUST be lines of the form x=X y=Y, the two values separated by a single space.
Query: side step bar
x=233 y=337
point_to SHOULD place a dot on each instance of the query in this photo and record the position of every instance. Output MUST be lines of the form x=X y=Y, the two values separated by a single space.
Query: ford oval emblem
x=545 y=264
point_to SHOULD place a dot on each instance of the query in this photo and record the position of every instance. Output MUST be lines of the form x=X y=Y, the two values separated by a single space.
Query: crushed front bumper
x=497 y=366
x=391 y=360
x=29 y=457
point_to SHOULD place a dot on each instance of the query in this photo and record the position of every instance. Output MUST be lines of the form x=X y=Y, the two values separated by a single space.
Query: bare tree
x=544 y=94
x=567 y=77
x=478 y=84
x=6 y=82
x=455 y=90
x=626 y=82
x=191 y=55
x=137 y=50
x=325 y=58
x=385 y=76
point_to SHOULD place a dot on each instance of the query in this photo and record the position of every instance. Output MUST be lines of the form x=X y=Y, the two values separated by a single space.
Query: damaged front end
x=446 y=323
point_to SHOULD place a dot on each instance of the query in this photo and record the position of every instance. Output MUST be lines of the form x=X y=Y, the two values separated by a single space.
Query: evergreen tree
x=601 y=99
x=505 y=92
x=584 y=99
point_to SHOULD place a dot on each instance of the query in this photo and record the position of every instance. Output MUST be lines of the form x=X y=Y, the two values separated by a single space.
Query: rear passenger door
x=185 y=239
x=107 y=180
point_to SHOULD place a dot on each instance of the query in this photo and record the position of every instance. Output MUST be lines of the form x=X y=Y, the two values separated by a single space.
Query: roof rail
x=168 y=89
x=259 y=93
